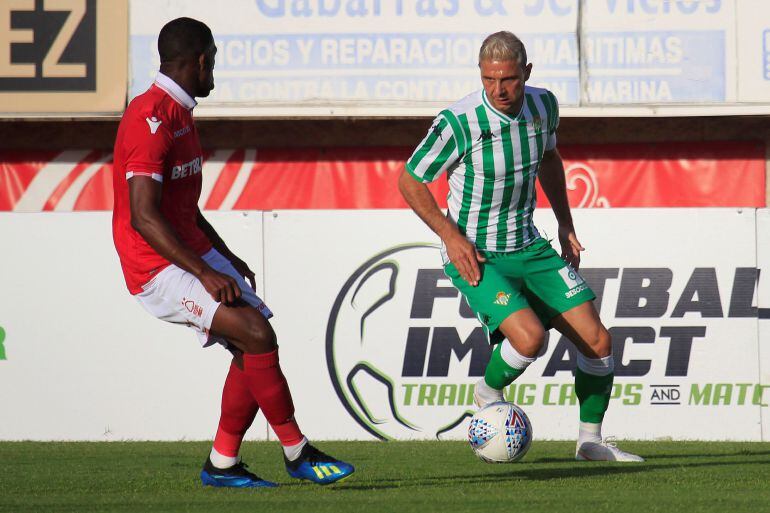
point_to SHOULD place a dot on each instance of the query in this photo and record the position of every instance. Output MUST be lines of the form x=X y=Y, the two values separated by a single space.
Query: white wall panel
x=84 y=361
x=372 y=335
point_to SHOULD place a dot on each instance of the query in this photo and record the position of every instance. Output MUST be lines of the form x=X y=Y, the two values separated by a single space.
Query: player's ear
x=202 y=62
x=527 y=71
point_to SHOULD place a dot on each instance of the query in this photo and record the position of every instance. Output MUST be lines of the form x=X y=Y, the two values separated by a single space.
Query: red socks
x=238 y=411
x=260 y=383
x=271 y=391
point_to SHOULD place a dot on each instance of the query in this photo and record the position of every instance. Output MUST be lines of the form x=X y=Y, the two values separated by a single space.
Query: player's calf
x=505 y=365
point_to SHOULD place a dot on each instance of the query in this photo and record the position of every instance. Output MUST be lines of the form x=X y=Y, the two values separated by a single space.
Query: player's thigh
x=243 y=326
x=584 y=328
x=243 y=323
x=551 y=286
x=176 y=296
x=495 y=298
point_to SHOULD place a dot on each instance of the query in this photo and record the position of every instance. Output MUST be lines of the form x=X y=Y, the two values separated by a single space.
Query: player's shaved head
x=187 y=54
x=503 y=46
x=182 y=39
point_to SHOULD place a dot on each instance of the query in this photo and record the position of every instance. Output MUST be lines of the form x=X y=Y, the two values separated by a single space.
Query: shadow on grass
x=580 y=471
x=655 y=457
x=713 y=455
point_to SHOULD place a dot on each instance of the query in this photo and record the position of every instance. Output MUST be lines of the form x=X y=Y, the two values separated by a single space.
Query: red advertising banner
x=713 y=174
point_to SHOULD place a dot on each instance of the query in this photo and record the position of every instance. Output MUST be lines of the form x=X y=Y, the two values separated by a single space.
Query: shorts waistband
x=535 y=245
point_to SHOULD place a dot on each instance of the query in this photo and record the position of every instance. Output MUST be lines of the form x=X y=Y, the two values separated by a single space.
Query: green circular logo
x=401 y=358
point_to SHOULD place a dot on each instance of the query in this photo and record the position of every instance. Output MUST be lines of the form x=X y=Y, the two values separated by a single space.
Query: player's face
x=206 y=71
x=504 y=83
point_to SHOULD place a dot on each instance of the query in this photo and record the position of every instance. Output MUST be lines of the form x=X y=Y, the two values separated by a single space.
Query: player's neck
x=182 y=78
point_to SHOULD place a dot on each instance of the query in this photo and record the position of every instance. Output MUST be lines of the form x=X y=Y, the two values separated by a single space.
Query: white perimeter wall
x=369 y=352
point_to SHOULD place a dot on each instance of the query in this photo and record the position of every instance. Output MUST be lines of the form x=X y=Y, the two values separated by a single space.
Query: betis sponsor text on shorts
x=534 y=277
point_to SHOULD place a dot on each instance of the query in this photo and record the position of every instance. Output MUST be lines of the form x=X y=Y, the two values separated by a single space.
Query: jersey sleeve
x=436 y=153
x=146 y=145
x=553 y=121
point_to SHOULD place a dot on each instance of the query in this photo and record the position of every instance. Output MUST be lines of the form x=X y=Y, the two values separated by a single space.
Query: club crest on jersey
x=502 y=299
x=192 y=307
x=537 y=123
x=154 y=123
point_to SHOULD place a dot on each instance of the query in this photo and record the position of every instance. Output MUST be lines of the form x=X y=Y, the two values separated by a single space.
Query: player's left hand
x=243 y=269
x=570 y=246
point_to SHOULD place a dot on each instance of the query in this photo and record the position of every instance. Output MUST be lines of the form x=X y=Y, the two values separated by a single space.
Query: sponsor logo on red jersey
x=187 y=169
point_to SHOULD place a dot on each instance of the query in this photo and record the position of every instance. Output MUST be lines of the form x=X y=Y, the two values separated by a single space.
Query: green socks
x=500 y=374
x=593 y=392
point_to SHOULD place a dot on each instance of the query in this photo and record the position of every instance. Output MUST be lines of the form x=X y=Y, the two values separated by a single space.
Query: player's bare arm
x=219 y=244
x=460 y=251
x=146 y=218
x=551 y=175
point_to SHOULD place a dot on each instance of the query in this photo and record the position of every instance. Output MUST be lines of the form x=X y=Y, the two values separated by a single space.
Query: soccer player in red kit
x=181 y=271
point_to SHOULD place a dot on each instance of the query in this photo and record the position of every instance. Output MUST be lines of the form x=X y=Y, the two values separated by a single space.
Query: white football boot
x=606 y=450
x=483 y=394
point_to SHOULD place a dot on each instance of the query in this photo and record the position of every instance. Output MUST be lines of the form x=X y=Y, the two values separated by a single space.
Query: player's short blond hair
x=503 y=46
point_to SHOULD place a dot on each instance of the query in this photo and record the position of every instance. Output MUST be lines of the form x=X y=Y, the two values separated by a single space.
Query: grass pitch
x=395 y=476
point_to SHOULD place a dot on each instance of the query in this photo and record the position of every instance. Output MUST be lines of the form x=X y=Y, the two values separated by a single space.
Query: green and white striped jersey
x=491 y=160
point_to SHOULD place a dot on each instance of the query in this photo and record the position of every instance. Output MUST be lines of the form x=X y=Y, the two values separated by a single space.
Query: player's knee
x=529 y=341
x=605 y=342
x=260 y=338
x=602 y=342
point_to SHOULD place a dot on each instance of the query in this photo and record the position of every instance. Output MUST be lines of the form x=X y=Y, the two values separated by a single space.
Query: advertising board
x=68 y=56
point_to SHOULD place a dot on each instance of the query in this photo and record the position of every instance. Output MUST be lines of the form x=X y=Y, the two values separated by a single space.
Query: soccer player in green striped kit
x=492 y=145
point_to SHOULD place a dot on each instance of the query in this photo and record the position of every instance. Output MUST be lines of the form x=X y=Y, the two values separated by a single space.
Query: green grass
x=395 y=476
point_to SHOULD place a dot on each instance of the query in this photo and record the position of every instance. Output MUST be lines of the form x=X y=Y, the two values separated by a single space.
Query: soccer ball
x=500 y=433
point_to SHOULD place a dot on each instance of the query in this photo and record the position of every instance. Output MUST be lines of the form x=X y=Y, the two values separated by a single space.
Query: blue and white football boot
x=317 y=467
x=234 y=477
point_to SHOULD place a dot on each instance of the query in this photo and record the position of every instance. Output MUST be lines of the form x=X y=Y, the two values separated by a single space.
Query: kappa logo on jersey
x=485 y=135
x=154 y=124
x=436 y=130
x=188 y=169
x=502 y=299
x=572 y=280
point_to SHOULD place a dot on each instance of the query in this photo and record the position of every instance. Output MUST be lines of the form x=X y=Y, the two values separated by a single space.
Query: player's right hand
x=465 y=257
x=222 y=287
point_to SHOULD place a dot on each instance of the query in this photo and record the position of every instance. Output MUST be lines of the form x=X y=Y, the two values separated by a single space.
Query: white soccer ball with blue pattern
x=500 y=433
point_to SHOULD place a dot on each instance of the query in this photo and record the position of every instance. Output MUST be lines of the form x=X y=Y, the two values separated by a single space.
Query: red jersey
x=157 y=138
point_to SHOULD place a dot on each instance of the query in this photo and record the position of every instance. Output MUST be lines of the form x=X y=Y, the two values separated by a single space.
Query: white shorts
x=175 y=295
